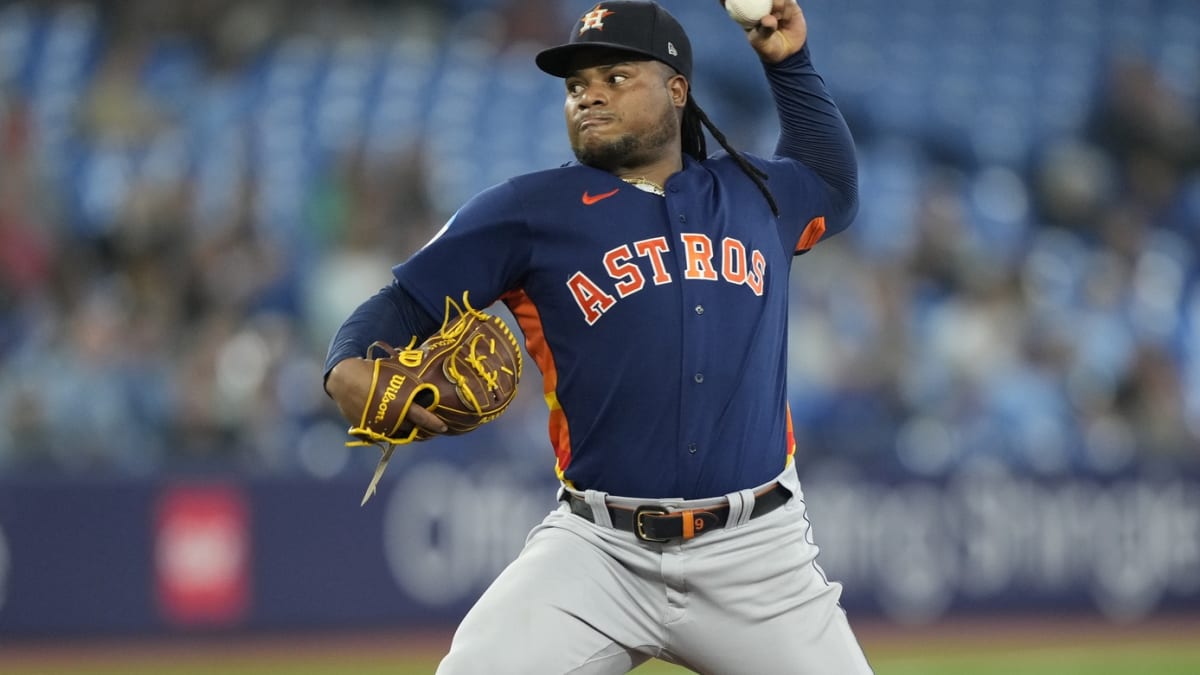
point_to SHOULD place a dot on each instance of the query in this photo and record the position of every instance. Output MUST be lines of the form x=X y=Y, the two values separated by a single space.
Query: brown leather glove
x=466 y=374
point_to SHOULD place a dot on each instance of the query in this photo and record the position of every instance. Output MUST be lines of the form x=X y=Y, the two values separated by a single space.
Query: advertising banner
x=218 y=555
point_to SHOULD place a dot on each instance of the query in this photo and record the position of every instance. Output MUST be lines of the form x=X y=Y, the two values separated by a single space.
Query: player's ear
x=678 y=87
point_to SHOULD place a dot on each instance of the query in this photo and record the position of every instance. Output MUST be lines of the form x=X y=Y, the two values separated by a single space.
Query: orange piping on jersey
x=812 y=234
x=530 y=321
x=791 y=437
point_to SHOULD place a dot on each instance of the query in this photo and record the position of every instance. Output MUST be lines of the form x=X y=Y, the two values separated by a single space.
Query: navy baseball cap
x=643 y=28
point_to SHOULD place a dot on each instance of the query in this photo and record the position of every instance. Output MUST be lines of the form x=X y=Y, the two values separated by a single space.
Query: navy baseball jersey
x=626 y=300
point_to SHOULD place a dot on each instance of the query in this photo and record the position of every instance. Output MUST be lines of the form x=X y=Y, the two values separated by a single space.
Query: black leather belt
x=652 y=522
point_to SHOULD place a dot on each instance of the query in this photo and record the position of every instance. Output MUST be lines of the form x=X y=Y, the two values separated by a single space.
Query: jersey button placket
x=678 y=223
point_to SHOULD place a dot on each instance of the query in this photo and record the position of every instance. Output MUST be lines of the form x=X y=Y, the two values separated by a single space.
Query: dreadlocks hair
x=694 y=144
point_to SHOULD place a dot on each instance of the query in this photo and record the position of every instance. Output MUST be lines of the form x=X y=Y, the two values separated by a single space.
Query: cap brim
x=557 y=61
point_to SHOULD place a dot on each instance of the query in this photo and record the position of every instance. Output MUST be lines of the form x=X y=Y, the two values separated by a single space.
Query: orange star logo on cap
x=594 y=19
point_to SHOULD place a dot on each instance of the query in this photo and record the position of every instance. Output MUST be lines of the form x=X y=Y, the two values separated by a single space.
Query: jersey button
x=699 y=309
x=692 y=448
x=682 y=218
x=699 y=378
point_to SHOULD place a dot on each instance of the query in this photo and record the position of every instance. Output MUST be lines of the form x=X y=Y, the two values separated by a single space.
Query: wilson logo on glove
x=388 y=396
x=466 y=374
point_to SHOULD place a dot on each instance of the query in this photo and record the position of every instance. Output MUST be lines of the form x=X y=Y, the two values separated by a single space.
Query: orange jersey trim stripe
x=530 y=321
x=791 y=437
x=812 y=233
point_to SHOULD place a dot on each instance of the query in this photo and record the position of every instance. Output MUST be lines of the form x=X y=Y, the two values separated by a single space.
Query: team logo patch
x=671 y=49
x=594 y=19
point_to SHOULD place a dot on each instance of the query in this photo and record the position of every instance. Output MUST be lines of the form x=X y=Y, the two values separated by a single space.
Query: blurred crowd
x=169 y=278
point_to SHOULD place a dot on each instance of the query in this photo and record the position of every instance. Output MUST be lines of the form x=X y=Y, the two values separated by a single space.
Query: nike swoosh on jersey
x=588 y=200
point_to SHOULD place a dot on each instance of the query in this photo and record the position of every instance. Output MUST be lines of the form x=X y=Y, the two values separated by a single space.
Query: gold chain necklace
x=646 y=186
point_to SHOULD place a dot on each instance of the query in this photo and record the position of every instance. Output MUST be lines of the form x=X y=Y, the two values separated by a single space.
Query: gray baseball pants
x=583 y=598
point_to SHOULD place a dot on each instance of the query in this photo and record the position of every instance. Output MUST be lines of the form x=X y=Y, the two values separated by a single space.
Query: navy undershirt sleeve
x=813 y=131
x=391 y=315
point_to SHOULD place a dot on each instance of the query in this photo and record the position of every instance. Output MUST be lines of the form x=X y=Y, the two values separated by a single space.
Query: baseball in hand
x=748 y=12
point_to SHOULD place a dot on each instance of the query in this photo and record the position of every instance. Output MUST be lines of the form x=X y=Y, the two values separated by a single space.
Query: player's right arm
x=391 y=315
x=482 y=250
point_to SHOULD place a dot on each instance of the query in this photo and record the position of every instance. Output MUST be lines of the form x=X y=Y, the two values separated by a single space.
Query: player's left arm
x=812 y=128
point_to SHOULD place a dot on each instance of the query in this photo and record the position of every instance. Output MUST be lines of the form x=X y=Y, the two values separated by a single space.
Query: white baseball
x=748 y=12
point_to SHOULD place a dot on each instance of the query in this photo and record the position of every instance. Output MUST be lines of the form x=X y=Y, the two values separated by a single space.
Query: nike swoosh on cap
x=588 y=200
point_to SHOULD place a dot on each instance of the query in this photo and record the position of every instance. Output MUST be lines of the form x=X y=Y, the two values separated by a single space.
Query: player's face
x=623 y=113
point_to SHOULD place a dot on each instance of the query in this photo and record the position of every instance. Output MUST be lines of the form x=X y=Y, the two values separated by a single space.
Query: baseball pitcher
x=650 y=282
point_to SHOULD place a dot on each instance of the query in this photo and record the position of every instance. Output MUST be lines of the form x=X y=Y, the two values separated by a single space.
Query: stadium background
x=995 y=373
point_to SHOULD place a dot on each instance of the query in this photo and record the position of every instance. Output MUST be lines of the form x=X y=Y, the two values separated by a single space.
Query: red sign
x=202 y=555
